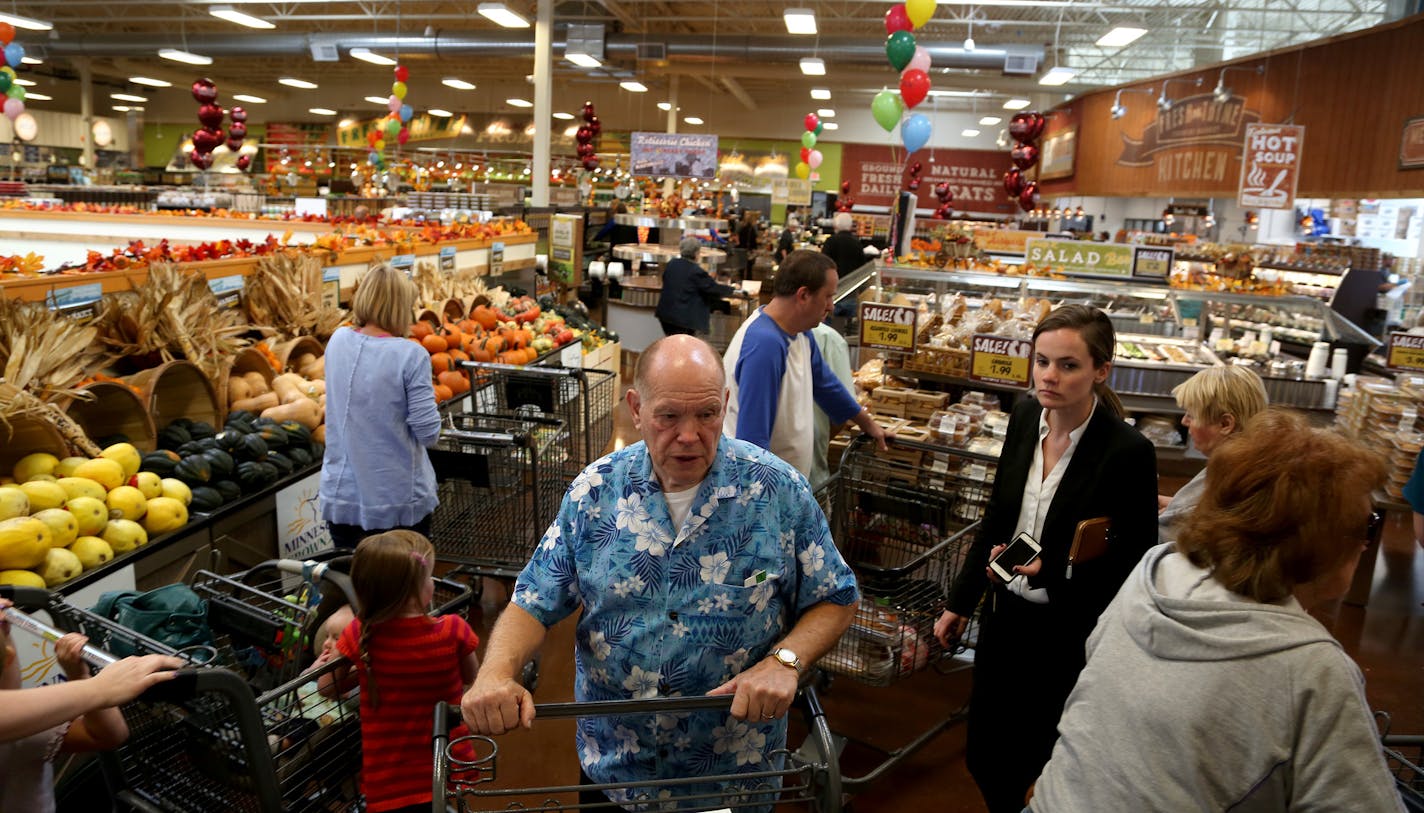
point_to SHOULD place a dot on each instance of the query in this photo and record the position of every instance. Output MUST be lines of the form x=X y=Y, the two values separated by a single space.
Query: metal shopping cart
x=904 y=520
x=801 y=780
x=582 y=398
x=1404 y=754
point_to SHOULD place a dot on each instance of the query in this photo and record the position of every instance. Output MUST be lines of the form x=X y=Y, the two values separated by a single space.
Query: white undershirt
x=679 y=504
x=1038 y=495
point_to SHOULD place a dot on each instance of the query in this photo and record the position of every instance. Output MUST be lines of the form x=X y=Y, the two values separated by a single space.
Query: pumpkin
x=440 y=363
x=458 y=356
x=205 y=500
x=420 y=330
x=443 y=393
x=160 y=463
x=220 y=462
x=435 y=344
x=193 y=470
x=456 y=382
x=228 y=489
x=484 y=317
x=468 y=326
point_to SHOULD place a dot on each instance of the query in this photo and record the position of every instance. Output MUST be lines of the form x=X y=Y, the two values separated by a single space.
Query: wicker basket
x=288 y=351
x=178 y=389
x=247 y=361
x=27 y=435
x=114 y=409
x=454 y=310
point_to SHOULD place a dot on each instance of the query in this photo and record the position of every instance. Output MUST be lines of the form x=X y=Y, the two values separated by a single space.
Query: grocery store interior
x=195 y=189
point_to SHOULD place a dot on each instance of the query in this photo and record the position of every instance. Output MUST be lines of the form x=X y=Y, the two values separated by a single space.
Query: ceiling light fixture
x=321 y=111
x=633 y=86
x=28 y=23
x=457 y=83
x=1016 y=104
x=123 y=108
x=830 y=125
x=249 y=98
x=813 y=66
x=962 y=94
x=344 y=123
x=186 y=57
x=32 y=60
x=24 y=83
x=367 y=55
x=1164 y=104
x=232 y=15
x=127 y=97
x=1121 y=36
x=564 y=116
x=1057 y=76
x=150 y=82
x=694 y=120
x=990 y=121
x=499 y=14
x=969 y=40
x=377 y=100
x=665 y=106
x=826 y=113
x=37 y=97
x=436 y=111
x=518 y=102
x=800 y=21
x=1118 y=109
x=821 y=94
x=1221 y=93
x=583 y=60
x=293 y=82
x=969 y=132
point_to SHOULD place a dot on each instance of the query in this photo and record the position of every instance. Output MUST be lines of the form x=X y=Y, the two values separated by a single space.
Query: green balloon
x=16 y=92
x=393 y=127
x=808 y=139
x=5 y=82
x=819 y=128
x=887 y=108
x=900 y=47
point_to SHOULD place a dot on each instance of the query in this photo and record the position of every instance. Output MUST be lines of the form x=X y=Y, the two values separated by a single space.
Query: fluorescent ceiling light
x=346 y=122
x=367 y=55
x=249 y=98
x=378 y=100
x=32 y=60
x=186 y=57
x=813 y=66
x=127 y=97
x=990 y=121
x=564 y=116
x=800 y=21
x=232 y=15
x=28 y=23
x=583 y=60
x=1037 y=3
x=571 y=132
x=969 y=132
x=151 y=82
x=1016 y=104
x=518 y=102
x=633 y=86
x=692 y=120
x=456 y=83
x=499 y=14
x=123 y=108
x=1057 y=76
x=444 y=114
x=830 y=125
x=37 y=97
x=664 y=106
x=321 y=111
x=293 y=82
x=821 y=94
x=826 y=113
x=24 y=83
x=961 y=94
x=1120 y=36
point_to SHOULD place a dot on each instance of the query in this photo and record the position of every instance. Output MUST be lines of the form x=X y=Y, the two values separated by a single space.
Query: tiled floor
x=1386 y=639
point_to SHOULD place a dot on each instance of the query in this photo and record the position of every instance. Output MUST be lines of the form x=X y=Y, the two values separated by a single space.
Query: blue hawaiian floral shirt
x=679 y=612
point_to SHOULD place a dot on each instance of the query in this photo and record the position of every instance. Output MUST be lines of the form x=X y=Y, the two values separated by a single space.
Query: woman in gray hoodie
x=1208 y=685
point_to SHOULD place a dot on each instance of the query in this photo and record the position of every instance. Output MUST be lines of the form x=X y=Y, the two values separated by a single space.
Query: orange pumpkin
x=440 y=362
x=511 y=357
x=485 y=317
x=435 y=344
x=458 y=355
x=443 y=393
x=451 y=334
x=455 y=382
x=469 y=326
x=420 y=330
x=481 y=352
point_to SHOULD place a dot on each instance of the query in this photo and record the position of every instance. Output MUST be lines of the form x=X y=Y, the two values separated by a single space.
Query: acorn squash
x=254 y=476
x=230 y=440
x=173 y=436
x=300 y=457
x=229 y=490
x=221 y=463
x=160 y=463
x=200 y=429
x=281 y=462
x=193 y=470
x=254 y=448
x=274 y=435
x=205 y=500
x=297 y=435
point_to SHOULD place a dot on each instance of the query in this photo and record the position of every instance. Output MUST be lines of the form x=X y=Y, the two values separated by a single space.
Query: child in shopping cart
x=405 y=662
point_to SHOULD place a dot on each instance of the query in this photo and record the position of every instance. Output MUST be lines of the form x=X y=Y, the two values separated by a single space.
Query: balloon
x=915 y=132
x=585 y=150
x=921 y=60
x=887 y=108
x=403 y=136
x=406 y=113
x=201 y=160
x=1028 y=198
x=8 y=71
x=1026 y=127
x=5 y=81
x=234 y=144
x=16 y=92
x=919 y=11
x=820 y=125
x=372 y=135
x=211 y=116
x=402 y=73
x=238 y=114
x=914 y=86
x=1024 y=155
x=805 y=153
x=808 y=140
x=13 y=108
x=1014 y=182
x=398 y=90
x=393 y=104
x=942 y=192
x=206 y=140
x=379 y=145
x=845 y=187
x=238 y=130
x=204 y=91
x=14 y=52
x=897 y=20
x=588 y=112
x=7 y=33
x=803 y=171
x=814 y=159
x=244 y=161
x=595 y=126
x=393 y=126
x=900 y=49
x=591 y=163
x=812 y=122
x=584 y=135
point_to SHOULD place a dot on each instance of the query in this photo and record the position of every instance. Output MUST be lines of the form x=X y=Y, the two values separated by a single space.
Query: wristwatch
x=787 y=658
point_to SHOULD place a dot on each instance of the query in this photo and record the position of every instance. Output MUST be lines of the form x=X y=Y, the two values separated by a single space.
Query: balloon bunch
x=13 y=53
x=1025 y=128
x=913 y=182
x=944 y=211
x=236 y=132
x=586 y=136
x=210 y=115
x=845 y=201
x=810 y=156
x=398 y=115
x=913 y=63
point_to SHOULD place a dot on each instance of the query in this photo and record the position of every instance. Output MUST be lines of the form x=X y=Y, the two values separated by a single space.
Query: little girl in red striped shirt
x=406 y=662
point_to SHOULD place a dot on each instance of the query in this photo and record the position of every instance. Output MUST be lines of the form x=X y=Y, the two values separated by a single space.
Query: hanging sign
x=887 y=327
x=403 y=262
x=1405 y=352
x=447 y=259
x=1080 y=258
x=999 y=360
x=496 y=266
x=1411 y=144
x=331 y=287
x=76 y=301
x=675 y=155
x=1270 y=166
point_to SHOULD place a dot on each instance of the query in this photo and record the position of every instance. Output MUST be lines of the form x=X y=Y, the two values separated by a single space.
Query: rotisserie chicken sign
x=1270 y=166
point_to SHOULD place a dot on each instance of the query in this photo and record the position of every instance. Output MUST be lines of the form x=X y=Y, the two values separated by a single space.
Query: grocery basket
x=1404 y=754
x=498 y=489
x=582 y=398
x=804 y=779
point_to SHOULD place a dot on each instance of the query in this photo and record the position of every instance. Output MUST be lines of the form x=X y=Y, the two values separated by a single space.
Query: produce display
x=246 y=455
x=514 y=332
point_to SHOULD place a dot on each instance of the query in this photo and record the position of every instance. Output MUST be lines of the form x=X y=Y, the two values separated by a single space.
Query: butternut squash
x=289 y=387
x=238 y=389
x=319 y=434
x=304 y=411
x=316 y=369
x=302 y=362
x=256 y=382
x=257 y=403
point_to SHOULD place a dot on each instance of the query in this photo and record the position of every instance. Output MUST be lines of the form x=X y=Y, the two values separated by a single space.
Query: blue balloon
x=406 y=112
x=915 y=132
x=14 y=52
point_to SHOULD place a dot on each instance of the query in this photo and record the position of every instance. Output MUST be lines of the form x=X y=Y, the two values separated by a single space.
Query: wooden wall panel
x=1352 y=93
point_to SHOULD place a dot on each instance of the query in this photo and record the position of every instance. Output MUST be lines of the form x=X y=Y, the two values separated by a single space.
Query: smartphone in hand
x=1023 y=550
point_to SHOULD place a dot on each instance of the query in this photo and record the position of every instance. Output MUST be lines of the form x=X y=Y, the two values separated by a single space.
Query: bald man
x=702 y=565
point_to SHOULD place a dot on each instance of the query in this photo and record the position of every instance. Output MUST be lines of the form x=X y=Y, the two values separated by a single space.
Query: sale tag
x=999 y=360
x=887 y=327
x=1406 y=352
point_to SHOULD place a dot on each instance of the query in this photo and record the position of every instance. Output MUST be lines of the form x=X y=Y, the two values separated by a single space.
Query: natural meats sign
x=1270 y=166
x=876 y=177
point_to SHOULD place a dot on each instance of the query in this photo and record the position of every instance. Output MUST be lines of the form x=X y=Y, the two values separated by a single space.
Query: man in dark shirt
x=689 y=293
x=843 y=246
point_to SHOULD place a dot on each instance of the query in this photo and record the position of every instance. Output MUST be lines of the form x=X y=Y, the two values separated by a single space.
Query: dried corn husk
x=16 y=403
x=284 y=293
x=43 y=352
x=173 y=314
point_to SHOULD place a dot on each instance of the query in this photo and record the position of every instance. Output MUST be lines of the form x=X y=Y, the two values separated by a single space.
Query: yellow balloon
x=919 y=11
x=398 y=89
x=380 y=144
x=803 y=170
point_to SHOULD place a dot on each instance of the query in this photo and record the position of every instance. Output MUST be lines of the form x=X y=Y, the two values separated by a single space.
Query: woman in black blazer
x=1068 y=456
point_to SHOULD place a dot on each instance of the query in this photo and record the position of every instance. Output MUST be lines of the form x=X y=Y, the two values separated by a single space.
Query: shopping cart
x=582 y=398
x=1404 y=754
x=804 y=779
x=500 y=484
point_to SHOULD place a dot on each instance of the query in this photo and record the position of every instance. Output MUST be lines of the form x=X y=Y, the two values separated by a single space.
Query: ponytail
x=1108 y=397
x=364 y=650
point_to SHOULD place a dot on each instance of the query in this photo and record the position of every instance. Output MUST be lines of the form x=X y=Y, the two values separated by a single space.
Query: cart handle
x=567 y=372
x=92 y=655
x=921 y=446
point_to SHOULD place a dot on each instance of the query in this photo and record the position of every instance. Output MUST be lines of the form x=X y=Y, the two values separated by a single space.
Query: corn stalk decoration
x=173 y=314
x=43 y=357
x=284 y=293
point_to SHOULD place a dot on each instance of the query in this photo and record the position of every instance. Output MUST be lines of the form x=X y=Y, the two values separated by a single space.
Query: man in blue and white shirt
x=703 y=565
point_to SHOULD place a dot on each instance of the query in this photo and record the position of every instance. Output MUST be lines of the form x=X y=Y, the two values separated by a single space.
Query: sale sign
x=999 y=360
x=1406 y=352
x=1270 y=166
x=887 y=327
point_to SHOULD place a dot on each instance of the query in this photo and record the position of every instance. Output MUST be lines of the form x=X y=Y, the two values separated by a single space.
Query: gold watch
x=787 y=658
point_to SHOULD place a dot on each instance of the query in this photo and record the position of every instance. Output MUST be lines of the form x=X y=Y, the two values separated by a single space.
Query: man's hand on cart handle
x=496 y=706
x=868 y=425
x=950 y=628
x=763 y=692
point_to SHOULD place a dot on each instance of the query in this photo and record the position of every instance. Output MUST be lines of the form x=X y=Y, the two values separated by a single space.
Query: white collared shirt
x=1038 y=495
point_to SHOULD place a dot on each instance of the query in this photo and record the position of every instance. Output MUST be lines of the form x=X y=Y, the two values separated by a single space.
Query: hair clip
x=420 y=557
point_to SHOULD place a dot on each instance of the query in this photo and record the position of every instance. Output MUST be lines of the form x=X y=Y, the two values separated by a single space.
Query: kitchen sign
x=999 y=360
x=887 y=327
x=1270 y=166
x=1405 y=352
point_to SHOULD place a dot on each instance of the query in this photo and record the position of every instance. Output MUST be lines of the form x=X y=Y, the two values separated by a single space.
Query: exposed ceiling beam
x=739 y=92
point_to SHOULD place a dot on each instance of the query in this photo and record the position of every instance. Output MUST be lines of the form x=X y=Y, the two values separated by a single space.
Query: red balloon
x=943 y=192
x=205 y=140
x=238 y=114
x=914 y=86
x=897 y=19
x=402 y=73
x=1024 y=155
x=590 y=163
x=595 y=126
x=913 y=185
x=1014 y=182
x=237 y=130
x=585 y=150
x=588 y=113
x=584 y=135
x=1028 y=198
x=211 y=116
x=204 y=91
x=944 y=212
x=845 y=187
x=1026 y=127
x=811 y=121
x=234 y=144
x=201 y=160
x=403 y=136
x=244 y=161
x=916 y=168
x=805 y=154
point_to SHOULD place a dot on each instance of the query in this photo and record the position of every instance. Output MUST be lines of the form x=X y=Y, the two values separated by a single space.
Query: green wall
x=160 y=140
x=830 y=169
